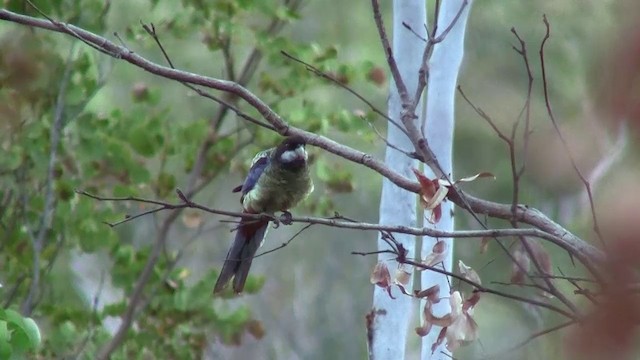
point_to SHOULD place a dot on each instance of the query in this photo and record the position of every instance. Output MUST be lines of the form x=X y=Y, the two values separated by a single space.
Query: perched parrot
x=277 y=181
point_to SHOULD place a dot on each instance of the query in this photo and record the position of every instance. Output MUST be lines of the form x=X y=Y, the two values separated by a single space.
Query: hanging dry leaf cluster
x=434 y=191
x=458 y=326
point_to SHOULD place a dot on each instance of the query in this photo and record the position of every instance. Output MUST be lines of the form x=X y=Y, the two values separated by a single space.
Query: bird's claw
x=286 y=218
x=275 y=220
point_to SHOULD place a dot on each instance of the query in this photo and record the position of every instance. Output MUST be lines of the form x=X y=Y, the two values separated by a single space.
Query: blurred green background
x=138 y=134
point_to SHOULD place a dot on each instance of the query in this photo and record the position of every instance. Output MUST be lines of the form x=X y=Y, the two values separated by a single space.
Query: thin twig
x=539 y=334
x=338 y=222
x=552 y=117
x=284 y=244
x=386 y=141
x=482 y=289
x=324 y=75
x=94 y=317
x=49 y=198
x=151 y=30
x=585 y=252
x=527 y=105
x=391 y=61
x=408 y=27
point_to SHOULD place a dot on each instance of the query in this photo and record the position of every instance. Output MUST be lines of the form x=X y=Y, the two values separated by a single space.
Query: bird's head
x=291 y=153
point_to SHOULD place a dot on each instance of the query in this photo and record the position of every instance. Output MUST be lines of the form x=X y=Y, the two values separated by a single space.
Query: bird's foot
x=273 y=219
x=286 y=218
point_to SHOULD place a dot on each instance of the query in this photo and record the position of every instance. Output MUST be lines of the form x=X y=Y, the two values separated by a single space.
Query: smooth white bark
x=444 y=68
x=398 y=206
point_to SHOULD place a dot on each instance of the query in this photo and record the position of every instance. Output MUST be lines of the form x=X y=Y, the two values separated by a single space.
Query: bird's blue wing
x=260 y=163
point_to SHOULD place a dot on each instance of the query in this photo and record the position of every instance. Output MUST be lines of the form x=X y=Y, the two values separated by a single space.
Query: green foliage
x=141 y=143
x=18 y=335
x=125 y=133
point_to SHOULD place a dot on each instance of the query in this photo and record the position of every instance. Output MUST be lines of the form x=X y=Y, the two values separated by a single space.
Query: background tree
x=67 y=127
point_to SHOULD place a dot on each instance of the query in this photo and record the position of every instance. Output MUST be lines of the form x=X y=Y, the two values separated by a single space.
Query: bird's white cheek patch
x=292 y=155
x=302 y=153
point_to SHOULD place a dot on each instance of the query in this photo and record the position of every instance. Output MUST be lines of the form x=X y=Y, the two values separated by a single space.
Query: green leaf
x=33 y=332
x=5 y=340
x=181 y=300
x=142 y=142
x=166 y=183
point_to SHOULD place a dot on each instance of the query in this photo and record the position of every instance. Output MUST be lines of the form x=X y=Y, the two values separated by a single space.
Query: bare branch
x=335 y=221
x=482 y=289
x=391 y=61
x=151 y=30
x=412 y=155
x=49 y=199
x=94 y=316
x=408 y=27
x=584 y=251
x=455 y=19
x=324 y=75
x=547 y=101
x=542 y=333
x=284 y=244
x=527 y=105
x=136 y=297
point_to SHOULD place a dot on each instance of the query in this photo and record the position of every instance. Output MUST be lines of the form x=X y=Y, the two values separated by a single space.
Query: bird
x=277 y=181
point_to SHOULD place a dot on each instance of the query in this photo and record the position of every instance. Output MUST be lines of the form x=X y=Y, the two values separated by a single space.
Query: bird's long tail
x=248 y=239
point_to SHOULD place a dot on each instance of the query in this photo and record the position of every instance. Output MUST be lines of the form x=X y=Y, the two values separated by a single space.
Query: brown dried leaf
x=429 y=320
x=470 y=303
x=432 y=259
x=402 y=276
x=462 y=332
x=463 y=328
x=255 y=328
x=468 y=273
x=431 y=195
x=426 y=326
x=439 y=247
x=380 y=275
x=520 y=266
x=431 y=202
x=436 y=214
x=427 y=187
x=484 y=244
x=192 y=219
x=432 y=294
x=476 y=176
x=437 y=254
x=402 y=290
x=423 y=331
x=442 y=321
x=377 y=75
x=541 y=256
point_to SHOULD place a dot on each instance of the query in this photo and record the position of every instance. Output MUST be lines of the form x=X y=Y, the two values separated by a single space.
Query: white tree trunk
x=444 y=68
x=398 y=206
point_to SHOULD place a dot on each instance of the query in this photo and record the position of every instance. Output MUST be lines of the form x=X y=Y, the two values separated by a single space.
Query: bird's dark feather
x=248 y=239
x=254 y=174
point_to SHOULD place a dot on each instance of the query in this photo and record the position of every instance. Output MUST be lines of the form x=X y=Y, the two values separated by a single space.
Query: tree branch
x=547 y=101
x=49 y=199
x=337 y=221
x=584 y=251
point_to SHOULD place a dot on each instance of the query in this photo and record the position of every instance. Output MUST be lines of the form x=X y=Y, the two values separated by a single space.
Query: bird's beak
x=301 y=153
